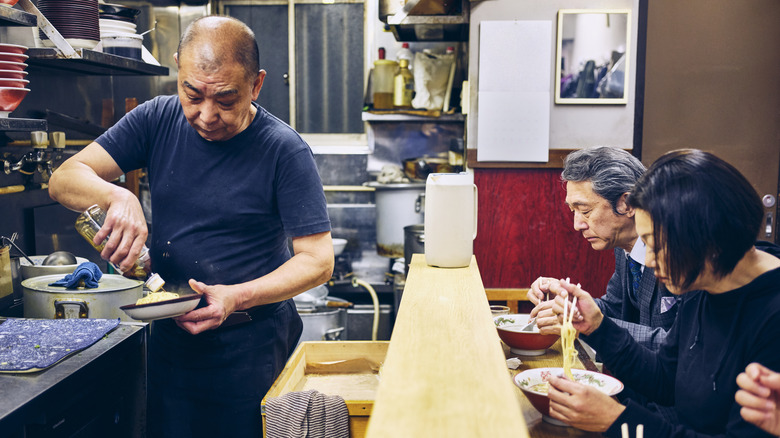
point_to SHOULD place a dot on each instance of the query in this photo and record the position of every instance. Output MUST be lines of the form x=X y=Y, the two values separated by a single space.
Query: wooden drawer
x=349 y=369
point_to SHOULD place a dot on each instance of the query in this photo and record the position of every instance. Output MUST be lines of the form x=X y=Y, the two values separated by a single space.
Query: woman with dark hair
x=699 y=218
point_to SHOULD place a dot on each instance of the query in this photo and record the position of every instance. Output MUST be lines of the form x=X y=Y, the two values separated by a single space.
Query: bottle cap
x=155 y=282
x=381 y=53
x=405 y=45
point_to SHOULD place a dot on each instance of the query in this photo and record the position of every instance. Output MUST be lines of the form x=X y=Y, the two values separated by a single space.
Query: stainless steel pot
x=44 y=301
x=39 y=269
x=414 y=242
x=323 y=324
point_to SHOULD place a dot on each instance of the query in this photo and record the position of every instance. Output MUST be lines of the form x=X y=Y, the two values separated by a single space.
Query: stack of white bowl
x=118 y=31
x=13 y=74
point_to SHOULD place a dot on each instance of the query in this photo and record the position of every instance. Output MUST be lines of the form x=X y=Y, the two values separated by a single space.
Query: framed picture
x=593 y=53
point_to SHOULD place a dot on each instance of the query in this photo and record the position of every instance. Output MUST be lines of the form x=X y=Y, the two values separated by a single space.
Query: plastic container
x=450 y=219
x=122 y=44
x=384 y=72
x=407 y=54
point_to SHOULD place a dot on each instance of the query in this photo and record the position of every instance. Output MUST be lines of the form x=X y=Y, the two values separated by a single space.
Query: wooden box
x=349 y=369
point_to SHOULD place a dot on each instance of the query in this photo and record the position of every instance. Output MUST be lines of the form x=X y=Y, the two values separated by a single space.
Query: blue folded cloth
x=87 y=272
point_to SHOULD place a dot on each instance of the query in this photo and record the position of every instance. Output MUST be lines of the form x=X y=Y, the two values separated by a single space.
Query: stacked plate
x=75 y=20
x=118 y=30
x=13 y=74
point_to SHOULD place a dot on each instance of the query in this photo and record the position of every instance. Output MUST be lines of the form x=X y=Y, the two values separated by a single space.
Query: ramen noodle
x=568 y=334
x=155 y=297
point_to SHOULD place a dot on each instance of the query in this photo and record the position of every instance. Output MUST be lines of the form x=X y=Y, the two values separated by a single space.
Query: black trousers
x=211 y=384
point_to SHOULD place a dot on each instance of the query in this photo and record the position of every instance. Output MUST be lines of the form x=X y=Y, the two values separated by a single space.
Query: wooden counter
x=445 y=373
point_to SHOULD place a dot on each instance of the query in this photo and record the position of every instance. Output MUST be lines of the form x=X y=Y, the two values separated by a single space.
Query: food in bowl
x=156 y=297
x=526 y=343
x=11 y=97
x=534 y=384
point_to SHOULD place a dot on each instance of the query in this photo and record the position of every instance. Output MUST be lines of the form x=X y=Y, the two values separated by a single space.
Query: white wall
x=571 y=126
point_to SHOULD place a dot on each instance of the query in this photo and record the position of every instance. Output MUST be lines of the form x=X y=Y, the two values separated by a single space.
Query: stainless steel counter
x=97 y=392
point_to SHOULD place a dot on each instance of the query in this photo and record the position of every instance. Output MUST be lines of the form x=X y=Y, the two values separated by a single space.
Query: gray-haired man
x=597 y=184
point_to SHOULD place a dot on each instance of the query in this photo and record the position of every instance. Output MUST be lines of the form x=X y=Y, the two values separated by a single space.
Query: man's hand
x=587 y=316
x=546 y=318
x=222 y=301
x=125 y=227
x=539 y=290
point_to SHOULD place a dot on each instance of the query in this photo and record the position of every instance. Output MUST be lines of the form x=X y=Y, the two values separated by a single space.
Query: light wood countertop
x=445 y=373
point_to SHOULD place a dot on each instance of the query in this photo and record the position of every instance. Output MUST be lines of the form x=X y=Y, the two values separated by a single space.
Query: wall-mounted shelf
x=91 y=63
x=22 y=125
x=454 y=27
x=15 y=17
x=401 y=117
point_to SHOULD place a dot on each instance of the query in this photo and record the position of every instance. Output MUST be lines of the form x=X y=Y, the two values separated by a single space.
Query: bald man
x=229 y=184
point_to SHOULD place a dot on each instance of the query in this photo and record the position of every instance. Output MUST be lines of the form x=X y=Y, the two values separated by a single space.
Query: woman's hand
x=587 y=317
x=582 y=406
x=760 y=397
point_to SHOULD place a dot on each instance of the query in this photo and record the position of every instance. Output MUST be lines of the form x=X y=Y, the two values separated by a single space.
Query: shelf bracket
x=65 y=49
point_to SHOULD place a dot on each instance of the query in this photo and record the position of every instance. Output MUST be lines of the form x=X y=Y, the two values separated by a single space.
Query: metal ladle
x=58 y=258
x=11 y=241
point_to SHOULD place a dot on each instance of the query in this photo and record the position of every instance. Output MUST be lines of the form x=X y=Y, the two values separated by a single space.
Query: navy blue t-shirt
x=222 y=211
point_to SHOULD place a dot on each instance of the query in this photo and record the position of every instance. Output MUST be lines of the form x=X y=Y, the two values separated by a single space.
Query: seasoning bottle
x=89 y=223
x=403 y=86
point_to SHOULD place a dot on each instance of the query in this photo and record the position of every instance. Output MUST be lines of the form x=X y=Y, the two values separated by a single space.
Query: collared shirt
x=638 y=253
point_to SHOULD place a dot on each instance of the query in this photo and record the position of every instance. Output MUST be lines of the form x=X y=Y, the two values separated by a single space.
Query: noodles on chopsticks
x=568 y=335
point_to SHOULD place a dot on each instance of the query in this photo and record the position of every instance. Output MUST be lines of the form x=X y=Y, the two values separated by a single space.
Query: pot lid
x=107 y=283
x=394 y=186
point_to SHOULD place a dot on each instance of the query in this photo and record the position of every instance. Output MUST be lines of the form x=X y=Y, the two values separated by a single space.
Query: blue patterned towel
x=88 y=272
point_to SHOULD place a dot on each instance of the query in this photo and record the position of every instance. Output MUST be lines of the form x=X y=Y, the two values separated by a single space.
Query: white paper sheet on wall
x=515 y=64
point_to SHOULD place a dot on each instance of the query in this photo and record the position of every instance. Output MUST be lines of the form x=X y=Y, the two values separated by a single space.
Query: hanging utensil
x=11 y=241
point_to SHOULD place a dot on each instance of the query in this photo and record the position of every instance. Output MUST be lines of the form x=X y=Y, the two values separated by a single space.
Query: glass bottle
x=89 y=223
x=403 y=86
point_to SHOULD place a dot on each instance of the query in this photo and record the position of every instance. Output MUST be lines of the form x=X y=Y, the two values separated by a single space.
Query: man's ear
x=176 y=58
x=622 y=206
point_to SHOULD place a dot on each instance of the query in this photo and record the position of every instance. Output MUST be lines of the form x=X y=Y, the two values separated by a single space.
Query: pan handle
x=333 y=334
x=70 y=308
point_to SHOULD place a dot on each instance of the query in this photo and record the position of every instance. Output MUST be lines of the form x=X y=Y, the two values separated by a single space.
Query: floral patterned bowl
x=530 y=343
x=534 y=384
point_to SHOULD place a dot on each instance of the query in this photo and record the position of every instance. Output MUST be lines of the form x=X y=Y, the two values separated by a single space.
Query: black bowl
x=119 y=10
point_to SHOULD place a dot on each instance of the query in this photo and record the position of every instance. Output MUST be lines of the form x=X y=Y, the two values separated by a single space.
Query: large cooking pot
x=414 y=243
x=324 y=318
x=39 y=269
x=6 y=278
x=54 y=302
x=397 y=205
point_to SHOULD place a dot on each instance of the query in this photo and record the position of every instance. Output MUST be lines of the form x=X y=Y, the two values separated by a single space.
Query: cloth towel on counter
x=309 y=414
x=87 y=272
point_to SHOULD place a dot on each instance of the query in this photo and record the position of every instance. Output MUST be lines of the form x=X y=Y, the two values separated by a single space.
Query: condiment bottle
x=89 y=223
x=382 y=82
x=403 y=86
x=405 y=53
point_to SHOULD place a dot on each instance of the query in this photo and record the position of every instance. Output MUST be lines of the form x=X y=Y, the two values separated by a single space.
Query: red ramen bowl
x=12 y=74
x=10 y=98
x=13 y=57
x=8 y=3
x=526 y=343
x=534 y=384
x=14 y=83
x=12 y=48
x=8 y=65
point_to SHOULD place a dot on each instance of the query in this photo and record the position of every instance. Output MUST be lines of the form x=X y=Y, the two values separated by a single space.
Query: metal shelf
x=91 y=63
x=22 y=125
x=15 y=17
x=400 y=117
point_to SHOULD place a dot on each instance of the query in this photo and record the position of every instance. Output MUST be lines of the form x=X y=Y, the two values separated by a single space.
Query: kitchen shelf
x=91 y=63
x=15 y=17
x=23 y=125
x=400 y=117
x=453 y=27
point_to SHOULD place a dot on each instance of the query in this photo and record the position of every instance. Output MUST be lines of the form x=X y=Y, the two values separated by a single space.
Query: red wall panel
x=525 y=230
